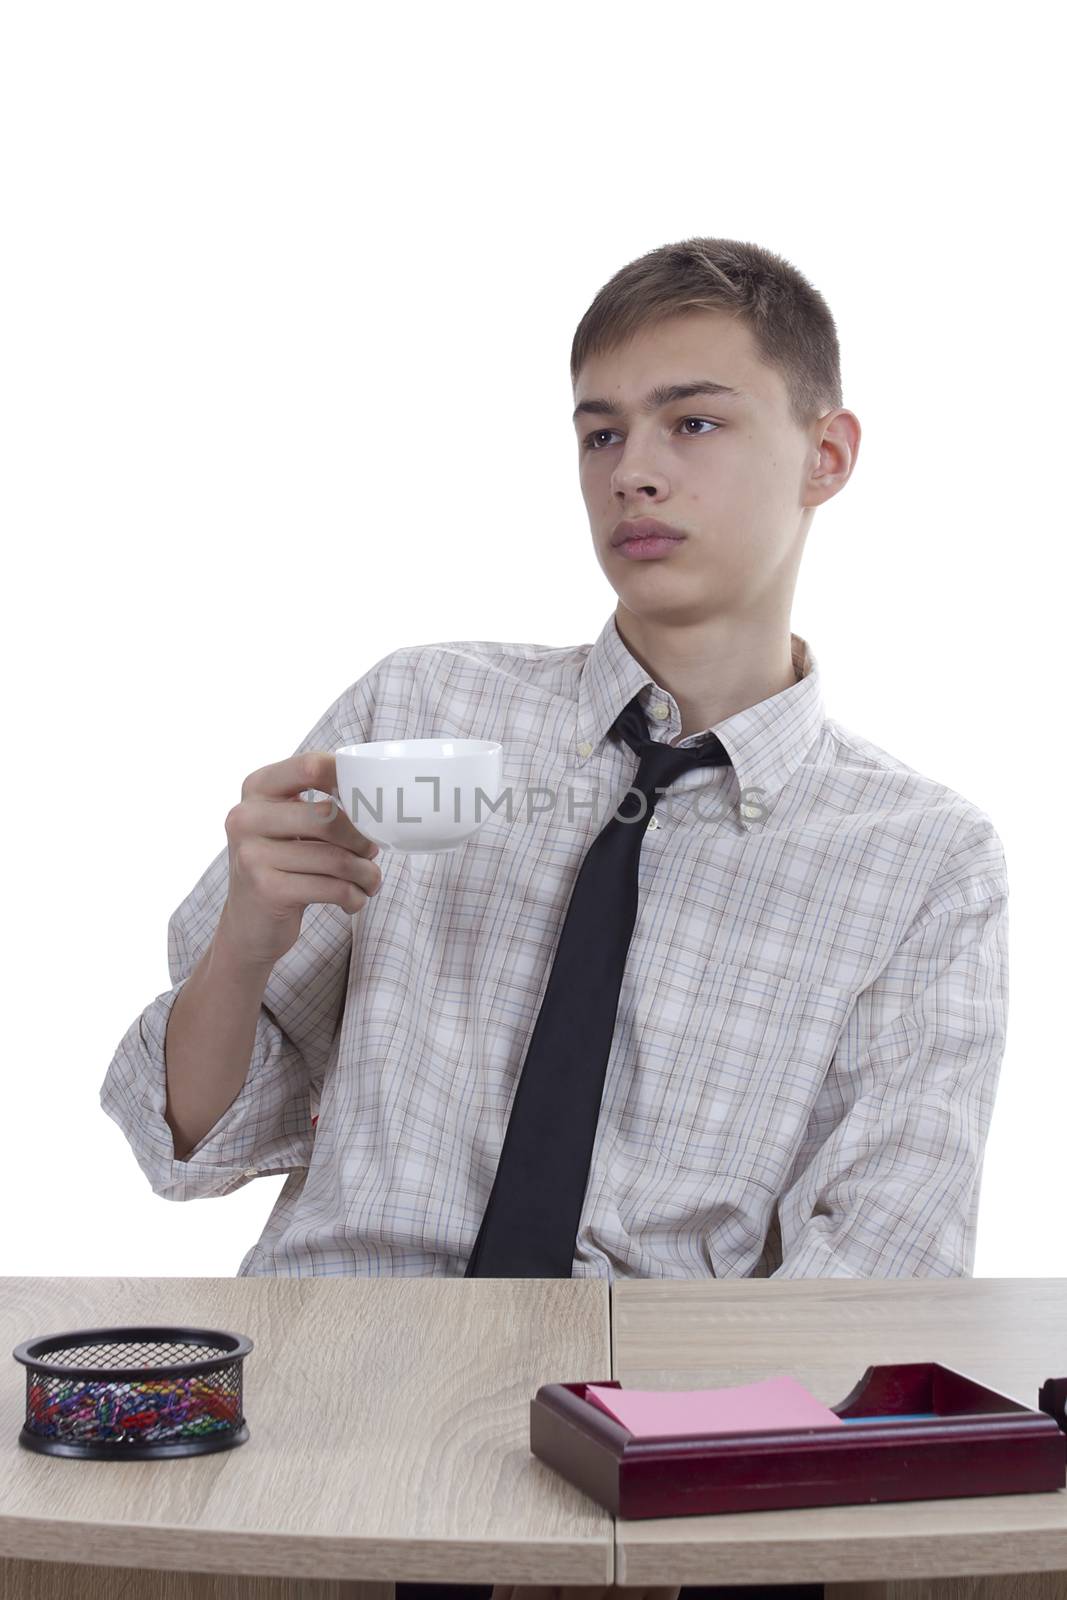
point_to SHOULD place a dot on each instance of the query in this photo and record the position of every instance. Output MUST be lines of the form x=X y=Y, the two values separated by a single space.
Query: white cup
x=419 y=795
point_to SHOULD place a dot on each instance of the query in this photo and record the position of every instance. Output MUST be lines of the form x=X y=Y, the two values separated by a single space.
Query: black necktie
x=531 y=1221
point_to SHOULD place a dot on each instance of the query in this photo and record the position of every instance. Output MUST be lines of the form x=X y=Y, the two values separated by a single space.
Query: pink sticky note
x=773 y=1403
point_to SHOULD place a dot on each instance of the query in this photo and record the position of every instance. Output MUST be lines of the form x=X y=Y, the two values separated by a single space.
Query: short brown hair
x=790 y=322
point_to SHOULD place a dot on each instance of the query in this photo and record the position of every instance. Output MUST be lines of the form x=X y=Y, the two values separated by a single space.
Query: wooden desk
x=389 y=1423
x=389 y=1440
x=1010 y=1333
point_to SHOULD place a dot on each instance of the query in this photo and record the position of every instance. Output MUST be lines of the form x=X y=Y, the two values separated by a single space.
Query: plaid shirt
x=810 y=1026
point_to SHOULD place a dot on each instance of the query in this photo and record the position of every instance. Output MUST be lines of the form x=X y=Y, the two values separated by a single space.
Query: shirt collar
x=765 y=742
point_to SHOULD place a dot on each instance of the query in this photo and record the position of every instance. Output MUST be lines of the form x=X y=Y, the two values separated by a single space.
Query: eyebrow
x=664 y=395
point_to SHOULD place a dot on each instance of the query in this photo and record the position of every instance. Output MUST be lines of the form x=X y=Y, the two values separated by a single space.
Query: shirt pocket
x=724 y=1090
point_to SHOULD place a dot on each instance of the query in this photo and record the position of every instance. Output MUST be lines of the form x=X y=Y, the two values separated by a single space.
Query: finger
x=331 y=821
x=303 y=819
x=329 y=860
x=312 y=769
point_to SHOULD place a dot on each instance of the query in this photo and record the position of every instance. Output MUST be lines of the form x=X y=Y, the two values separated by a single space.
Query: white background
x=288 y=297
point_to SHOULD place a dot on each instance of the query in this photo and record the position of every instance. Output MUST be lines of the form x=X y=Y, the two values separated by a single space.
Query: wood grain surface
x=355 y=1477
x=389 y=1434
x=1008 y=1333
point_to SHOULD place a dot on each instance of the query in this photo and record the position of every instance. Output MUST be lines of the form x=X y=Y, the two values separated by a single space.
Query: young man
x=811 y=1017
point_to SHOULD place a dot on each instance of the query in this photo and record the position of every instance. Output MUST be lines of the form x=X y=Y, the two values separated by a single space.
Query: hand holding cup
x=286 y=854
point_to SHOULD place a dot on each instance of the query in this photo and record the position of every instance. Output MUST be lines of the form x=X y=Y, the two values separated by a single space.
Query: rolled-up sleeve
x=268 y=1128
x=887 y=1182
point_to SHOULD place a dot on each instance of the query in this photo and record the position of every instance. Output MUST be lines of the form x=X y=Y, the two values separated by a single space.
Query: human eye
x=588 y=441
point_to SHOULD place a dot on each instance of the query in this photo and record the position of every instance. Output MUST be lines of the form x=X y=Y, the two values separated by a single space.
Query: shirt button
x=585 y=748
x=653 y=822
x=661 y=711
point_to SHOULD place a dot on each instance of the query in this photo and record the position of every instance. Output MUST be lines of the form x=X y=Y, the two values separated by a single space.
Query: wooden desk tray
x=970 y=1440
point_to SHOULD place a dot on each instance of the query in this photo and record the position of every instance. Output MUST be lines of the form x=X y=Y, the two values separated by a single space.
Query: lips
x=644 y=528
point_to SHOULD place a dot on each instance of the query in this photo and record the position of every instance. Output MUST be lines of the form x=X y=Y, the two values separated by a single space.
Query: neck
x=712 y=668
